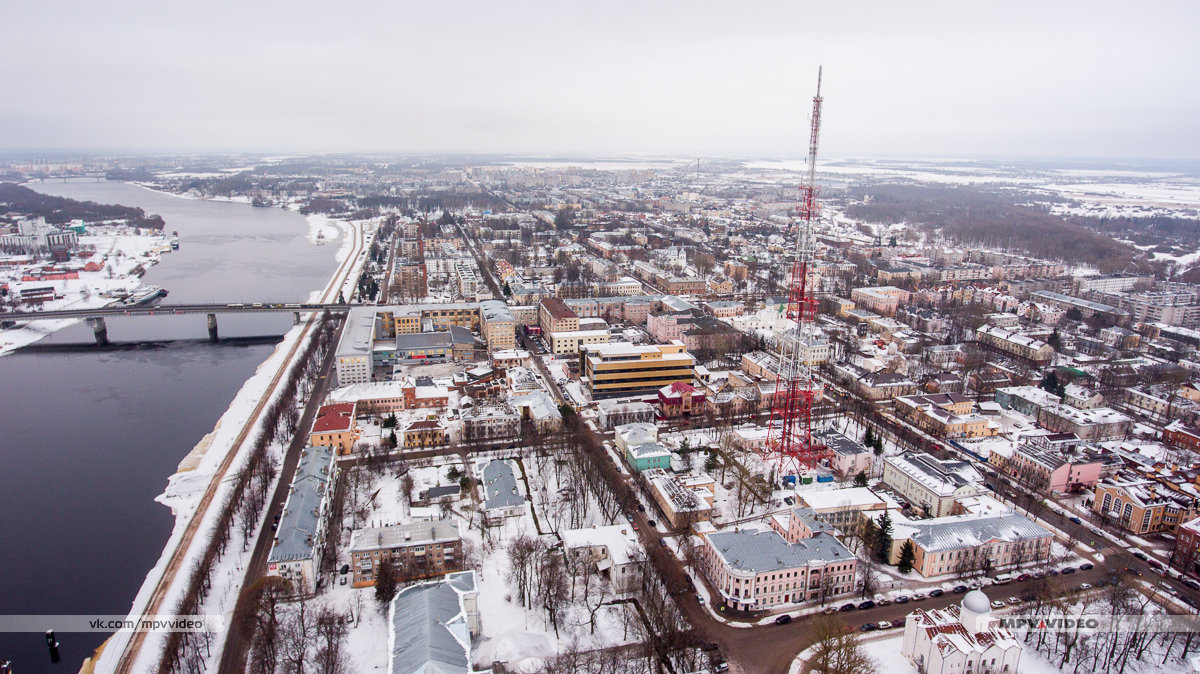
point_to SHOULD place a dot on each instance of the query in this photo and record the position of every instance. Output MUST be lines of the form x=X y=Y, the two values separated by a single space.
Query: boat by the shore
x=144 y=296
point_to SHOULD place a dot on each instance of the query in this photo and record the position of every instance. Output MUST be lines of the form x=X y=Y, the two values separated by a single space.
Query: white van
x=1002 y=578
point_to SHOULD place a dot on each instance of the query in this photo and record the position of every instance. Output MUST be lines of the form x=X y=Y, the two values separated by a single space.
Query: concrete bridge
x=95 y=317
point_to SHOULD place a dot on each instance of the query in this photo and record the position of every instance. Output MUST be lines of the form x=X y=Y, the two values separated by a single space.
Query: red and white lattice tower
x=790 y=442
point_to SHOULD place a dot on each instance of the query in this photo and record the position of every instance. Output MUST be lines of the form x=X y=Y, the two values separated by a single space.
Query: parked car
x=869 y=627
x=1024 y=577
x=1013 y=601
x=1085 y=586
x=629 y=516
x=884 y=602
x=1188 y=582
x=1096 y=531
x=1086 y=566
x=937 y=592
x=866 y=605
x=902 y=599
x=343 y=580
x=996 y=603
x=829 y=609
x=700 y=599
x=783 y=619
x=641 y=508
x=959 y=589
x=1075 y=519
x=898 y=622
x=345 y=569
x=884 y=624
x=1155 y=564
x=847 y=607
x=650 y=522
x=1039 y=574
x=1067 y=570
x=1141 y=555
x=720 y=666
x=918 y=596
x=1052 y=572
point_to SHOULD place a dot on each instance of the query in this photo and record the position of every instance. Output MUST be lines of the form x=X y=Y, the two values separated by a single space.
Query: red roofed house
x=334 y=427
x=679 y=399
x=426 y=433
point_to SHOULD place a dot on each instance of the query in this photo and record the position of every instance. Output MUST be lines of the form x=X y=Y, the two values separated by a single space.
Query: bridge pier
x=295 y=318
x=99 y=329
x=212 y=327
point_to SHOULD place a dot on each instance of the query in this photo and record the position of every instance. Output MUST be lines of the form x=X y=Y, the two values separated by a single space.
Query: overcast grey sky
x=962 y=78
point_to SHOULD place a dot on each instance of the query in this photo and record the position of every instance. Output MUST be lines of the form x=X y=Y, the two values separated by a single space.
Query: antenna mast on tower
x=789 y=434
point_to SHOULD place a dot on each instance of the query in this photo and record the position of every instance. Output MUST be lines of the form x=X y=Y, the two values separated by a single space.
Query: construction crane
x=790 y=444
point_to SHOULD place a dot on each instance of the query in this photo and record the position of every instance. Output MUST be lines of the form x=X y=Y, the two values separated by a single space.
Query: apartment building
x=300 y=536
x=683 y=501
x=612 y=370
x=951 y=544
x=497 y=325
x=555 y=316
x=1025 y=347
x=945 y=415
x=1051 y=469
x=417 y=550
x=354 y=355
x=335 y=427
x=571 y=342
x=1100 y=423
x=879 y=299
x=1028 y=400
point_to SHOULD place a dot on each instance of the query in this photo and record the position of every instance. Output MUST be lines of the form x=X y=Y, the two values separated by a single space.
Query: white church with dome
x=964 y=639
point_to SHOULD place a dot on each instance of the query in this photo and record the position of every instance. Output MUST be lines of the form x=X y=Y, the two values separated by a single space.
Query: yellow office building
x=613 y=370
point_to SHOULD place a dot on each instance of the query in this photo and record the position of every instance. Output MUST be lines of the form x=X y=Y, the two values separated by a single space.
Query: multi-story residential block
x=497 y=325
x=335 y=427
x=612 y=370
x=489 y=422
x=555 y=316
x=931 y=484
x=353 y=358
x=1051 y=469
x=1185 y=553
x=417 y=550
x=1182 y=435
x=1025 y=347
x=945 y=415
x=1086 y=308
x=880 y=299
x=300 y=537
x=1101 y=423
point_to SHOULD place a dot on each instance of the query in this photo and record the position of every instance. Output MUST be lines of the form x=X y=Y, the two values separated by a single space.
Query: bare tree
x=837 y=650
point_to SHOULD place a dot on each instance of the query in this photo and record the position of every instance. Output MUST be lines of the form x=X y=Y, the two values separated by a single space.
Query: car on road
x=959 y=589
x=343 y=580
x=1024 y=577
x=918 y=596
x=633 y=524
x=1141 y=555
x=847 y=607
x=1052 y=572
x=1075 y=519
x=720 y=666
x=641 y=508
x=1188 y=582
x=830 y=610
x=1096 y=531
x=1168 y=588
x=1013 y=601
x=662 y=542
x=1086 y=566
x=629 y=516
x=1155 y=564
x=937 y=592
x=898 y=622
x=1085 y=586
x=884 y=624
x=996 y=603
x=700 y=599
x=902 y=599
x=708 y=646
x=866 y=605
x=345 y=569
x=650 y=522
x=783 y=619
x=1068 y=569
x=869 y=627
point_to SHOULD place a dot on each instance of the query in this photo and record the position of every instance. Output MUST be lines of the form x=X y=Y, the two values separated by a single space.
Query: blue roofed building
x=432 y=626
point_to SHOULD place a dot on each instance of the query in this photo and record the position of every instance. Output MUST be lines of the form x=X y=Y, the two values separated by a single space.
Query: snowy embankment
x=322 y=229
x=184 y=491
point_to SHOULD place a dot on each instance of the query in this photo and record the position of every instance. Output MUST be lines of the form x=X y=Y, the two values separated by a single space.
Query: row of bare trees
x=186 y=652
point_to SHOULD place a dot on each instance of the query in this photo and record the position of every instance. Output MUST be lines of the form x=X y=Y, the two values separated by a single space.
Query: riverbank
x=200 y=481
x=108 y=267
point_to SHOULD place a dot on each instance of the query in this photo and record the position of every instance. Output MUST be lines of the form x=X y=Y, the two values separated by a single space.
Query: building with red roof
x=334 y=427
